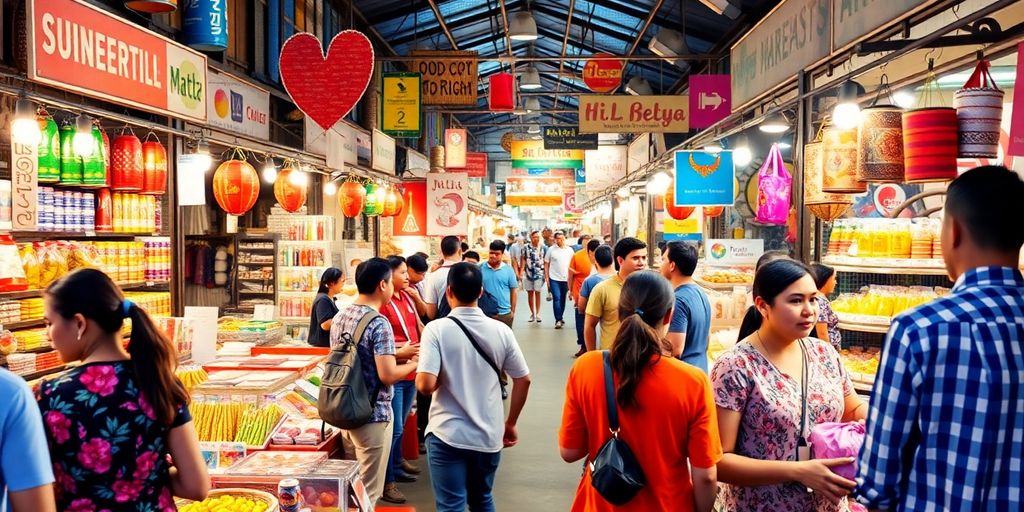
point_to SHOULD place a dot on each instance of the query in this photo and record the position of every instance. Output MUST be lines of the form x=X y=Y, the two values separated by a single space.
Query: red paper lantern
x=713 y=211
x=104 y=210
x=501 y=93
x=290 y=196
x=393 y=203
x=126 y=163
x=676 y=212
x=154 y=165
x=351 y=197
x=236 y=186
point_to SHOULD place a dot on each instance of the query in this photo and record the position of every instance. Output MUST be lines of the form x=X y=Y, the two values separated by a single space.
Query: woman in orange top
x=580 y=267
x=666 y=411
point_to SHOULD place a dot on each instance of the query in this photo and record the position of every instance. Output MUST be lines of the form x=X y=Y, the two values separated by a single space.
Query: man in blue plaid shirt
x=945 y=429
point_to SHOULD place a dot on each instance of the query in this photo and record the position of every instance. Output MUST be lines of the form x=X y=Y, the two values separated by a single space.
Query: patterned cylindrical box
x=840 y=162
x=930 y=144
x=880 y=145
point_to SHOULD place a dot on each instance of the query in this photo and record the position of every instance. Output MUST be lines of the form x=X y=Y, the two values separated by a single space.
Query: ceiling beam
x=565 y=44
x=643 y=28
x=399 y=38
x=508 y=37
x=608 y=30
x=444 y=26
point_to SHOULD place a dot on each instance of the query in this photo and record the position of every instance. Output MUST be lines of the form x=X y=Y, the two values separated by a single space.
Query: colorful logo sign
x=238 y=106
x=603 y=75
x=718 y=251
x=704 y=179
x=634 y=114
x=710 y=99
x=733 y=252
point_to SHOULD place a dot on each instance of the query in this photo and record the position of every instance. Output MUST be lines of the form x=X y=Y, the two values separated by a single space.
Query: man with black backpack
x=499 y=298
x=360 y=325
x=434 y=296
x=467 y=429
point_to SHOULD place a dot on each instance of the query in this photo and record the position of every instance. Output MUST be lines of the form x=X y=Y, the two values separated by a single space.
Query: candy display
x=257 y=423
x=301 y=227
x=861 y=363
x=233 y=500
x=886 y=238
x=295 y=279
x=294 y=255
x=296 y=306
x=191 y=376
x=253 y=331
x=216 y=420
x=10 y=311
x=31 y=339
x=300 y=431
x=885 y=301
x=727 y=276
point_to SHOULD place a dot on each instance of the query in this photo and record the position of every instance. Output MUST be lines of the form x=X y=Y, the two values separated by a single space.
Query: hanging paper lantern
x=713 y=211
x=393 y=203
x=880 y=145
x=824 y=206
x=49 y=148
x=979 y=111
x=374 y=200
x=70 y=164
x=126 y=163
x=290 y=196
x=829 y=211
x=840 y=161
x=152 y=6
x=501 y=93
x=676 y=212
x=930 y=144
x=154 y=167
x=351 y=198
x=236 y=186
x=104 y=211
x=94 y=172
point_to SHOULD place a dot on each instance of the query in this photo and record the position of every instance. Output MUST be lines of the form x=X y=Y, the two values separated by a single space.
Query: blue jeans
x=559 y=289
x=401 y=404
x=580 y=318
x=461 y=477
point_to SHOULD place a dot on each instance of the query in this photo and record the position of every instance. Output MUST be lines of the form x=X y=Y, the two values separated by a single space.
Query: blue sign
x=581 y=176
x=704 y=179
x=237 y=106
x=668 y=237
x=205 y=24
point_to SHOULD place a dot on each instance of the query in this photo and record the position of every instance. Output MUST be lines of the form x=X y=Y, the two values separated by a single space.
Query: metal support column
x=804 y=127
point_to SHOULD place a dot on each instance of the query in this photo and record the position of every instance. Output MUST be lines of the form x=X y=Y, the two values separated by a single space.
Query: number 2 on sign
x=401 y=117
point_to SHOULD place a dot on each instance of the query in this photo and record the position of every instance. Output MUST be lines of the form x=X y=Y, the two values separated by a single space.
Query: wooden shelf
x=870 y=328
x=78 y=234
x=144 y=285
x=43 y=373
x=886 y=266
x=251 y=292
x=37 y=350
x=27 y=294
x=23 y=324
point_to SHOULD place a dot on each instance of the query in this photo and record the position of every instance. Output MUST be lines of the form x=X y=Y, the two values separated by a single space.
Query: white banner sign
x=417 y=165
x=639 y=152
x=447 y=204
x=383 y=152
x=24 y=186
x=191 y=180
x=236 y=106
x=604 y=166
x=726 y=252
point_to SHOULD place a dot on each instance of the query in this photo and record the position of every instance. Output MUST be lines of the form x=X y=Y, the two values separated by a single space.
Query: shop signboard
x=792 y=37
x=237 y=106
x=603 y=75
x=534 y=191
x=449 y=77
x=364 y=147
x=455 y=148
x=634 y=114
x=417 y=164
x=24 y=191
x=76 y=46
x=639 y=152
x=723 y=252
x=852 y=19
x=447 y=204
x=338 y=145
x=530 y=154
x=704 y=179
x=689 y=228
x=383 y=152
x=476 y=165
x=569 y=204
x=499 y=194
x=1017 y=115
x=400 y=104
x=605 y=166
x=568 y=137
x=413 y=219
x=710 y=99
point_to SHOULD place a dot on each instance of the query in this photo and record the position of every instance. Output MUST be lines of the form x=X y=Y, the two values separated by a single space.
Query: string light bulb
x=25 y=128
x=269 y=170
x=83 y=144
x=331 y=188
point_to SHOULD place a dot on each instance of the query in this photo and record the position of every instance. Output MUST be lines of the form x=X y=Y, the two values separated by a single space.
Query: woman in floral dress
x=112 y=421
x=759 y=388
x=828 y=323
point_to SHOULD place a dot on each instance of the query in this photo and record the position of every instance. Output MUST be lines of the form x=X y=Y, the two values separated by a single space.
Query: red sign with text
x=476 y=165
x=603 y=75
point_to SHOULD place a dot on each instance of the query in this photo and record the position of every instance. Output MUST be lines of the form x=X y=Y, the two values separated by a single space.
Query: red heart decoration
x=326 y=88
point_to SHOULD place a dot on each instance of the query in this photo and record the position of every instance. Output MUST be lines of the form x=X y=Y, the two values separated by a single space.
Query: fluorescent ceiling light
x=530 y=79
x=774 y=123
x=522 y=27
x=638 y=86
x=531 y=105
x=670 y=44
x=723 y=7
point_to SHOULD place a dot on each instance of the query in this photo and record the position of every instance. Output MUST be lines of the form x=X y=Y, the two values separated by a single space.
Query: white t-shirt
x=559 y=258
x=436 y=282
x=467 y=411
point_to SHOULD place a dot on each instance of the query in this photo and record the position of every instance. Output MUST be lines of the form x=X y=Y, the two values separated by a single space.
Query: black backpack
x=345 y=401
x=488 y=303
x=443 y=308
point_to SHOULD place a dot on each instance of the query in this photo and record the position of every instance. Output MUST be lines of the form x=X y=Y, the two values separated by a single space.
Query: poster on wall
x=417 y=165
x=400 y=104
x=413 y=219
x=534 y=191
x=447 y=204
x=237 y=106
x=639 y=153
x=569 y=204
x=689 y=228
x=568 y=137
x=476 y=165
x=704 y=179
x=605 y=166
x=455 y=148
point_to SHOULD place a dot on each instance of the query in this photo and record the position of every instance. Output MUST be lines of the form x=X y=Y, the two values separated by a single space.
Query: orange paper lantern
x=126 y=163
x=290 y=196
x=154 y=165
x=713 y=211
x=676 y=212
x=393 y=203
x=351 y=197
x=236 y=186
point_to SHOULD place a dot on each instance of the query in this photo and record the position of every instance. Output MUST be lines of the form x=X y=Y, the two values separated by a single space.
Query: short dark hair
x=559 y=232
x=593 y=244
x=770 y=256
x=821 y=274
x=627 y=245
x=449 y=245
x=464 y=246
x=986 y=201
x=684 y=255
x=470 y=255
x=418 y=263
x=422 y=254
x=498 y=245
x=603 y=256
x=465 y=281
x=396 y=261
x=534 y=232
x=370 y=273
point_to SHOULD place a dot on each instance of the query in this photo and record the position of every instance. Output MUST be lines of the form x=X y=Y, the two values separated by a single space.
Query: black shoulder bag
x=615 y=472
x=472 y=340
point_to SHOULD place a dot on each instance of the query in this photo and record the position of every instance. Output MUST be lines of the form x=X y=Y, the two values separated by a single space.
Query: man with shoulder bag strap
x=467 y=429
x=380 y=365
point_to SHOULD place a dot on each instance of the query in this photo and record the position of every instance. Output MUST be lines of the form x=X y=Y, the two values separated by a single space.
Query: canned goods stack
x=154 y=303
x=158 y=260
x=124 y=262
x=66 y=210
x=134 y=213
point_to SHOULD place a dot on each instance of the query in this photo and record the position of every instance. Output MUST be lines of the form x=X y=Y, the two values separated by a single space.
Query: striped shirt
x=946 y=425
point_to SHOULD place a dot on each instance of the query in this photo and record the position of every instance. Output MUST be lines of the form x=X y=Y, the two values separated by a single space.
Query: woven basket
x=251 y=494
x=880 y=145
x=979 y=111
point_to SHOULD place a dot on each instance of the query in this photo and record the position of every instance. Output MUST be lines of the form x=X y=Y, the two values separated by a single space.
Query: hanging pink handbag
x=774 y=189
x=835 y=440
